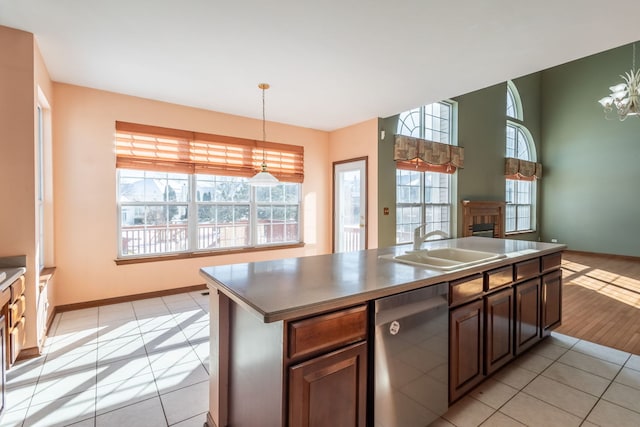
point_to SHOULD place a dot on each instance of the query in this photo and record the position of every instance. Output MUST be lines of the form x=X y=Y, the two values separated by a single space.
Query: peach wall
x=21 y=68
x=352 y=142
x=85 y=191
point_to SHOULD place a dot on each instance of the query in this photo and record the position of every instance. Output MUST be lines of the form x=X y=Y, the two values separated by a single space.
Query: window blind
x=173 y=150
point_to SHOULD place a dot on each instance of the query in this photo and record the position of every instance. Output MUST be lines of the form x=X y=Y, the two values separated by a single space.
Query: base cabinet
x=499 y=329
x=466 y=344
x=330 y=389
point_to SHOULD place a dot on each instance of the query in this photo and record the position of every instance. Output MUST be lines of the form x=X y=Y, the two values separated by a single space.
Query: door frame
x=366 y=198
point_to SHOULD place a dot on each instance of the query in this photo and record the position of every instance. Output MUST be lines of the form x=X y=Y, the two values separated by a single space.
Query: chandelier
x=263 y=178
x=624 y=97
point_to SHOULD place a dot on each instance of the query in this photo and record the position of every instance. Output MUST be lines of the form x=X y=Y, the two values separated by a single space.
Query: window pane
x=277 y=224
x=524 y=217
x=143 y=186
x=510 y=218
x=409 y=123
x=221 y=188
x=510 y=191
x=154 y=229
x=438 y=218
x=511 y=141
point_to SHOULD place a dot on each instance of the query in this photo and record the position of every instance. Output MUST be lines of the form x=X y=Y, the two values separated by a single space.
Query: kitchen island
x=291 y=332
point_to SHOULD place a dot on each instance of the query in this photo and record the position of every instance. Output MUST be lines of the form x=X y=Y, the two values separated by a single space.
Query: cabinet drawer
x=17 y=289
x=527 y=269
x=465 y=289
x=16 y=310
x=327 y=331
x=16 y=340
x=5 y=297
x=551 y=261
x=497 y=278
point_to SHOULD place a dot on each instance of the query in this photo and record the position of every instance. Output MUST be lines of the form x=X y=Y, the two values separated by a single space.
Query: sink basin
x=445 y=258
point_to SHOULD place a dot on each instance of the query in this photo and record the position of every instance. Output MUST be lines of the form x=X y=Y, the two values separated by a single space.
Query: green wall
x=587 y=197
x=481 y=122
x=591 y=165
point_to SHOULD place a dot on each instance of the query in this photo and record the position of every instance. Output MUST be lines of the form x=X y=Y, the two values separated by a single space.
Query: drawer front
x=16 y=311
x=497 y=278
x=17 y=289
x=16 y=340
x=327 y=331
x=527 y=269
x=5 y=297
x=552 y=261
x=465 y=289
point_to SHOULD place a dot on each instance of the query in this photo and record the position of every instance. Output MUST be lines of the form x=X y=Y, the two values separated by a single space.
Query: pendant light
x=263 y=178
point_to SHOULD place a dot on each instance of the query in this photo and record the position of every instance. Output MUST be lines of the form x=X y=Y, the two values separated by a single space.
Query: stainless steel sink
x=444 y=258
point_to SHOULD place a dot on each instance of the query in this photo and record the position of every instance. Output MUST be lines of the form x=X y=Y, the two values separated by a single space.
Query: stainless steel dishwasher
x=411 y=357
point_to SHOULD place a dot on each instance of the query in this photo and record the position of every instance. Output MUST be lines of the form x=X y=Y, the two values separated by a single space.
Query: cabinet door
x=330 y=390
x=466 y=337
x=527 y=317
x=551 y=301
x=499 y=327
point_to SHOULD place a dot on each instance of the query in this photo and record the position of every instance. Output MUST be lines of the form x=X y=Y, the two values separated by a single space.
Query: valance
x=420 y=154
x=522 y=170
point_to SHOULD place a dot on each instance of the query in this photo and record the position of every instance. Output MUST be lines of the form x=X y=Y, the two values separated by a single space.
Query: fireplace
x=483 y=218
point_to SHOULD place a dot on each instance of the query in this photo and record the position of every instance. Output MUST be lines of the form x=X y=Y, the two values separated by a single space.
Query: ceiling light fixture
x=263 y=178
x=624 y=96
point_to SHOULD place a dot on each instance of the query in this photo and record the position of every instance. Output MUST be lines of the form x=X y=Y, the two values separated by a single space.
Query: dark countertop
x=293 y=287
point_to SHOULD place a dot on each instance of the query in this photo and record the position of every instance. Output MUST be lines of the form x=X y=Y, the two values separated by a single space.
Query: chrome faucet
x=419 y=237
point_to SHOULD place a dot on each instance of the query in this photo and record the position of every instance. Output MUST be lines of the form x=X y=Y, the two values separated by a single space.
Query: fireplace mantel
x=478 y=214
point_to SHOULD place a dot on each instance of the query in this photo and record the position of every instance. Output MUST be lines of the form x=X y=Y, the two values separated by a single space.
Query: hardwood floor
x=601 y=300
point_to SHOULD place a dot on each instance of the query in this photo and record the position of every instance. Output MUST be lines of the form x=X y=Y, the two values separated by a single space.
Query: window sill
x=187 y=255
x=516 y=233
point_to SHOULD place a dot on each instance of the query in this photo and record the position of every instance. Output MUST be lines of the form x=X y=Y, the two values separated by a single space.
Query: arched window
x=514 y=105
x=425 y=197
x=520 y=193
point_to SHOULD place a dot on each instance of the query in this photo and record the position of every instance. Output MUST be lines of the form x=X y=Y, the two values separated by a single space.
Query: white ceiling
x=330 y=63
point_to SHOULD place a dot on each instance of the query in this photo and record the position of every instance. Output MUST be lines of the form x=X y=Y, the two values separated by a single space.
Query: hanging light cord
x=264 y=86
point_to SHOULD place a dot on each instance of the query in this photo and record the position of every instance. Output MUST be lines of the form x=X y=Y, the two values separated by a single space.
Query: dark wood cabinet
x=330 y=389
x=466 y=348
x=551 y=301
x=527 y=314
x=499 y=329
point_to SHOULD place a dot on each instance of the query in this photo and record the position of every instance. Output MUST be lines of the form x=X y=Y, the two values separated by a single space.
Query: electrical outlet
x=554 y=240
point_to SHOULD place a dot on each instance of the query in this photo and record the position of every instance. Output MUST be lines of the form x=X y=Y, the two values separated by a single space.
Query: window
x=520 y=193
x=180 y=210
x=424 y=197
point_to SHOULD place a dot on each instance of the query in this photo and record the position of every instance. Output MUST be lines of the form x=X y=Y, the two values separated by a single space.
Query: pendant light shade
x=263 y=178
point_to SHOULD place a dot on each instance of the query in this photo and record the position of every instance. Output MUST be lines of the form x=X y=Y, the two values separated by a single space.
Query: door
x=350 y=205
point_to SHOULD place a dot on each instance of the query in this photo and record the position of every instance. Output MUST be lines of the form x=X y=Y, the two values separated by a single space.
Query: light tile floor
x=145 y=363
x=141 y=363
x=561 y=382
